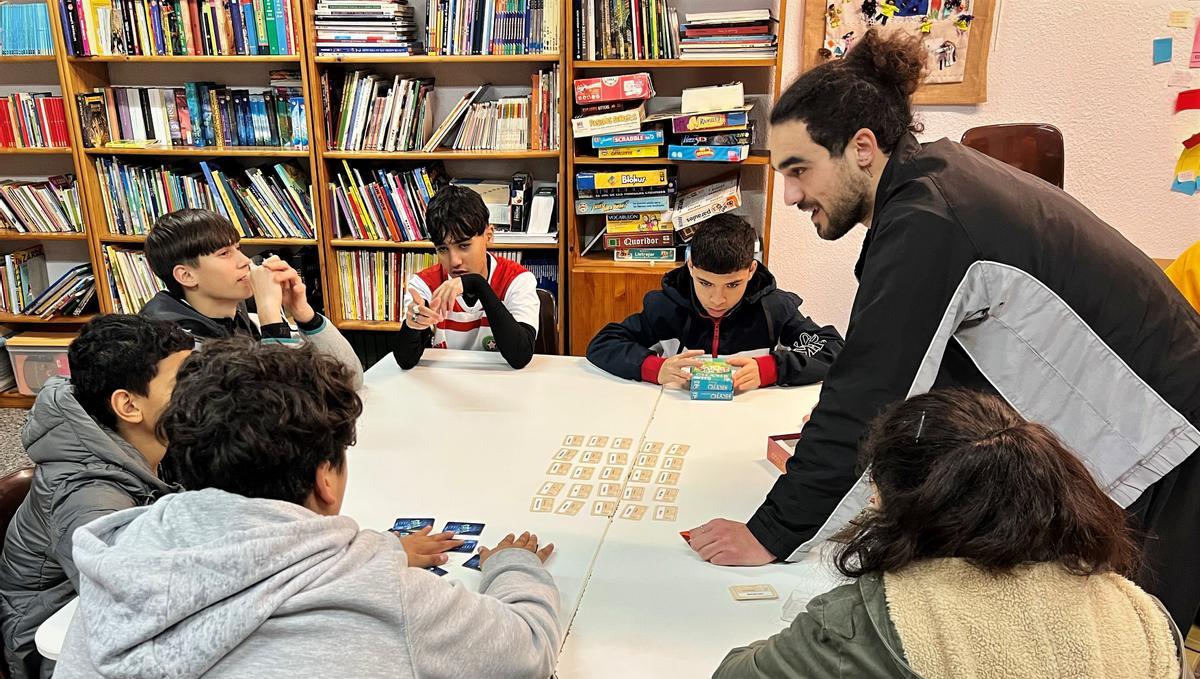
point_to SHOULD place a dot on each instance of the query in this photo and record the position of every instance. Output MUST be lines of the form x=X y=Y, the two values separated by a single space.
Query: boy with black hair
x=93 y=439
x=252 y=572
x=723 y=303
x=469 y=299
x=195 y=253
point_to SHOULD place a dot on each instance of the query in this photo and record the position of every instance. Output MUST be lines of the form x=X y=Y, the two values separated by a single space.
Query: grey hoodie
x=210 y=583
x=84 y=471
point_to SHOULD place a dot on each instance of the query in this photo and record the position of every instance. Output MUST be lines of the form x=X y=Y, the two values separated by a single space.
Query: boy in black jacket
x=723 y=303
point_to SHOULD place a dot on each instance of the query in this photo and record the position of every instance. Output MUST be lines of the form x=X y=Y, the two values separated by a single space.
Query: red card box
x=613 y=88
x=778 y=452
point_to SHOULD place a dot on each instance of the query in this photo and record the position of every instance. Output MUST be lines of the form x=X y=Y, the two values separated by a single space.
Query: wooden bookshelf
x=36 y=151
x=601 y=290
x=200 y=151
x=281 y=242
x=8 y=234
x=365 y=244
x=354 y=324
x=439 y=60
x=8 y=318
x=441 y=154
x=25 y=58
x=15 y=399
x=197 y=59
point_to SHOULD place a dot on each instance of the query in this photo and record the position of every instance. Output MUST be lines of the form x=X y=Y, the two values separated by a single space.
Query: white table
x=653 y=608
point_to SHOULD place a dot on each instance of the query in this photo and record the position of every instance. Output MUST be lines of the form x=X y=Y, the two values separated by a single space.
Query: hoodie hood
x=165 y=307
x=170 y=589
x=678 y=287
x=59 y=430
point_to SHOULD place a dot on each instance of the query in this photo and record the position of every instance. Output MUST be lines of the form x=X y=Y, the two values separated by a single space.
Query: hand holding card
x=527 y=541
x=425 y=550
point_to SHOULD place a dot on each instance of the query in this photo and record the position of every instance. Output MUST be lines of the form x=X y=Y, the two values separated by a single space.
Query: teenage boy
x=723 y=303
x=253 y=571
x=469 y=299
x=195 y=254
x=92 y=437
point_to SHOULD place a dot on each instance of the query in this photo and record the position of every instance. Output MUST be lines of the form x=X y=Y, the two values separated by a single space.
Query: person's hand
x=527 y=541
x=419 y=315
x=443 y=298
x=746 y=377
x=425 y=550
x=729 y=543
x=268 y=293
x=295 y=293
x=674 y=370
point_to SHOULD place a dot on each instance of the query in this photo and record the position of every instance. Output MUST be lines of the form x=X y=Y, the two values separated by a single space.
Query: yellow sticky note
x=1180 y=18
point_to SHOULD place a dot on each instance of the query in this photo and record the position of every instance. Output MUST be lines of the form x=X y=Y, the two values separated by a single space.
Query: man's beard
x=849 y=207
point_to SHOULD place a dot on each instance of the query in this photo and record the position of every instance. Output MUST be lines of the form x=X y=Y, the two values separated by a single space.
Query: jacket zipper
x=716 y=336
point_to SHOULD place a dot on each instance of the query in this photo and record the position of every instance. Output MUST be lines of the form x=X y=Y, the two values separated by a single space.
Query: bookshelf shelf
x=283 y=242
x=197 y=59
x=201 y=151
x=6 y=317
x=8 y=234
x=350 y=324
x=15 y=399
x=605 y=264
x=431 y=59
x=357 y=243
x=36 y=151
x=25 y=58
x=675 y=63
x=756 y=157
x=444 y=154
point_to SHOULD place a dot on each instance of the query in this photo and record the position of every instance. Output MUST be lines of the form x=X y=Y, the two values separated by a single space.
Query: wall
x=1084 y=67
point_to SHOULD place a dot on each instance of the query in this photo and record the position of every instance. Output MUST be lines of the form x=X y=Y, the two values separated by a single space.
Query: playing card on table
x=591 y=457
x=573 y=440
x=541 y=504
x=550 y=489
x=463 y=528
x=566 y=454
x=472 y=563
x=666 y=494
x=621 y=443
x=639 y=475
x=646 y=460
x=436 y=571
x=652 y=447
x=677 y=449
x=609 y=490
x=466 y=547
x=582 y=473
x=753 y=592
x=673 y=463
x=619 y=459
x=569 y=507
x=633 y=512
x=580 y=491
x=406 y=526
x=611 y=473
x=559 y=469
x=597 y=441
x=667 y=478
x=666 y=513
x=635 y=493
x=604 y=508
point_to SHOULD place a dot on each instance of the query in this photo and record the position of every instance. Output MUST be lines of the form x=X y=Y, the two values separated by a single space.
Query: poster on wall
x=955 y=33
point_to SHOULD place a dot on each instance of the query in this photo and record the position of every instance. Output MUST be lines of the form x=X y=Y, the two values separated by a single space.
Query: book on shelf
x=25 y=276
x=198 y=114
x=69 y=295
x=738 y=34
x=49 y=206
x=707 y=200
x=366 y=27
x=7 y=379
x=479 y=27
x=262 y=202
x=33 y=120
x=372 y=282
x=130 y=279
x=510 y=123
x=625 y=29
x=25 y=29
x=375 y=113
x=455 y=116
x=178 y=27
x=383 y=204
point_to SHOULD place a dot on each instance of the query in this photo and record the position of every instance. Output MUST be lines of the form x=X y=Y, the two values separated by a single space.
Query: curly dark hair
x=871 y=88
x=961 y=474
x=455 y=213
x=723 y=244
x=119 y=351
x=182 y=237
x=258 y=420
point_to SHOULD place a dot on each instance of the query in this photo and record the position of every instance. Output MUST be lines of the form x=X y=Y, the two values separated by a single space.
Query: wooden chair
x=547 y=337
x=13 y=489
x=1034 y=148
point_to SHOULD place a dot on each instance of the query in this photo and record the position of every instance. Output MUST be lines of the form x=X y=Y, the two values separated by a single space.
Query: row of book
x=375 y=112
x=33 y=120
x=198 y=114
x=543 y=268
x=273 y=202
x=130 y=279
x=178 y=27
x=387 y=205
x=465 y=27
x=510 y=123
x=25 y=286
x=50 y=206
x=366 y=26
x=738 y=34
x=625 y=29
x=25 y=29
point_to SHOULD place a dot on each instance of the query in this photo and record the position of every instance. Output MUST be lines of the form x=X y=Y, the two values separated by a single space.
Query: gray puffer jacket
x=84 y=471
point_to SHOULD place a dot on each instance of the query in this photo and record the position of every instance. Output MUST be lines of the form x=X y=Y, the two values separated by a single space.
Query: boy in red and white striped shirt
x=470 y=299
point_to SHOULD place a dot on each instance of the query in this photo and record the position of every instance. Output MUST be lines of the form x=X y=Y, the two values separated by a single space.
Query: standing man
x=975 y=274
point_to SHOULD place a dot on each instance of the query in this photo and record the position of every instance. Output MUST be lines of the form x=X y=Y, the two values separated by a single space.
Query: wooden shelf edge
x=35 y=151
x=187 y=59
x=439 y=155
x=6 y=234
x=201 y=151
x=15 y=319
x=675 y=63
x=25 y=58
x=353 y=324
x=609 y=266
x=363 y=243
x=126 y=238
x=15 y=399
x=435 y=59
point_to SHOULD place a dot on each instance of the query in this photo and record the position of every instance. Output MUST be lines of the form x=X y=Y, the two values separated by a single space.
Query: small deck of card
x=753 y=592
x=712 y=380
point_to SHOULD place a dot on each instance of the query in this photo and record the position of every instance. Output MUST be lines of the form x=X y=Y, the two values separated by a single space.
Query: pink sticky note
x=1195 y=60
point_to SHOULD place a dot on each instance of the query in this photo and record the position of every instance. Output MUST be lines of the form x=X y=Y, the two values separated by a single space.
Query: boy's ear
x=184 y=275
x=753 y=266
x=125 y=408
x=489 y=234
x=324 y=490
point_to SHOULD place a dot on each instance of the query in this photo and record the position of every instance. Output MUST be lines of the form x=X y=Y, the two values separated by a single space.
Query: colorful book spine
x=717 y=154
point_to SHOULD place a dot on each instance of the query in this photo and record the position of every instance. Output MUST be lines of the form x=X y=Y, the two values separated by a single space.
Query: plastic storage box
x=38 y=356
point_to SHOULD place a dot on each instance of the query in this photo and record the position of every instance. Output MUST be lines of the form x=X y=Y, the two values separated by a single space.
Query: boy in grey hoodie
x=94 y=442
x=256 y=575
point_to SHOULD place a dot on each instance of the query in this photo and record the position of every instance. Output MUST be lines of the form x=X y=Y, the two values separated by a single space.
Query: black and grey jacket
x=976 y=274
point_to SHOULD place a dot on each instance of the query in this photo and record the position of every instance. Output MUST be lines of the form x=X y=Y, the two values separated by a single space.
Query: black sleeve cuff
x=313 y=323
x=276 y=331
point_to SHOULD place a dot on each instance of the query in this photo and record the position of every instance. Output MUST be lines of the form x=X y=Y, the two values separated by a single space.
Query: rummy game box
x=613 y=88
x=712 y=380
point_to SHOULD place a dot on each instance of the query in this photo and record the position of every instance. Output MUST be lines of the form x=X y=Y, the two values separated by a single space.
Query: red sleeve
x=767 y=370
x=651 y=367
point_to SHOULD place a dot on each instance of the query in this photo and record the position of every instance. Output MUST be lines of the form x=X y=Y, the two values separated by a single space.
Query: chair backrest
x=1036 y=148
x=13 y=489
x=547 y=337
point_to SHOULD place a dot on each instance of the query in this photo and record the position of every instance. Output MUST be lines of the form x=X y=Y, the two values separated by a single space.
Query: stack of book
x=67 y=296
x=713 y=125
x=611 y=112
x=738 y=34
x=465 y=27
x=130 y=279
x=50 y=206
x=23 y=278
x=387 y=205
x=197 y=114
x=712 y=380
x=377 y=113
x=642 y=233
x=509 y=124
x=178 y=27
x=276 y=203
x=366 y=27
x=625 y=29
x=33 y=120
x=25 y=29
x=501 y=125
